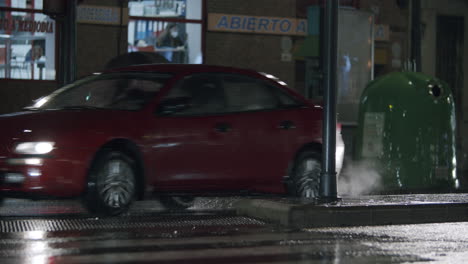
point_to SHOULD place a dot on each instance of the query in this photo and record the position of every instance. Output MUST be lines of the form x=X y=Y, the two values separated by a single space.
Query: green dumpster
x=406 y=132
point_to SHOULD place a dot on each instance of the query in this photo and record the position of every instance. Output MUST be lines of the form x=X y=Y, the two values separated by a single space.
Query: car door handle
x=286 y=125
x=223 y=127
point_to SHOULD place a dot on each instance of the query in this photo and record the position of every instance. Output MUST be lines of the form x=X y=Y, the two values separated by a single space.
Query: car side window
x=204 y=93
x=248 y=94
x=109 y=91
x=285 y=99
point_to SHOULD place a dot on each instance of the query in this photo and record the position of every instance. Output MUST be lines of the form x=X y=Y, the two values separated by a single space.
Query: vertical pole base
x=333 y=200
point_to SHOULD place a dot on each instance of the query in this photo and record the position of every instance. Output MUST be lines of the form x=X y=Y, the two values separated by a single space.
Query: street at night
x=211 y=232
x=233 y=131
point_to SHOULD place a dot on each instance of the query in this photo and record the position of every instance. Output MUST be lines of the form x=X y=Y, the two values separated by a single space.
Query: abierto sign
x=257 y=24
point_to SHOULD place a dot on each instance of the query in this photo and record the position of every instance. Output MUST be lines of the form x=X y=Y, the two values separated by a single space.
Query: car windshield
x=107 y=91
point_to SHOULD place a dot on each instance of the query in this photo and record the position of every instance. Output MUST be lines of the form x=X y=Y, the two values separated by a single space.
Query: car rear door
x=197 y=148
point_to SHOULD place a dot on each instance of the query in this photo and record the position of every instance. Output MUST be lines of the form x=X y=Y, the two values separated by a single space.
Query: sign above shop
x=257 y=24
x=33 y=26
x=101 y=15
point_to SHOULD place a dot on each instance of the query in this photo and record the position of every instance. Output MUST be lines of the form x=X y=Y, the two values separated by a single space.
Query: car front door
x=195 y=148
x=264 y=129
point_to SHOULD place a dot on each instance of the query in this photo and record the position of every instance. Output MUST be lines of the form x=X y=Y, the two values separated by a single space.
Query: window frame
x=57 y=47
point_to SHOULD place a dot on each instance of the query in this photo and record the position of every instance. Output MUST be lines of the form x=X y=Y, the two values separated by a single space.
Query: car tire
x=111 y=184
x=177 y=202
x=305 y=178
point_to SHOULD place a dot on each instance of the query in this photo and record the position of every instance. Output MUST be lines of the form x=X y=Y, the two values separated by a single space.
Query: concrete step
x=358 y=211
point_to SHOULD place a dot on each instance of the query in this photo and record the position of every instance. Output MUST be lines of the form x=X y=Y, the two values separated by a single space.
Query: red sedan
x=176 y=130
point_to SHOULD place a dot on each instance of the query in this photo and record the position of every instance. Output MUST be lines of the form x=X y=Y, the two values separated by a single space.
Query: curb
x=311 y=215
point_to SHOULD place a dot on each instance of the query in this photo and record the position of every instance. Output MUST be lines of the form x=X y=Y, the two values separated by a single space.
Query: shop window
x=170 y=28
x=23 y=4
x=27 y=42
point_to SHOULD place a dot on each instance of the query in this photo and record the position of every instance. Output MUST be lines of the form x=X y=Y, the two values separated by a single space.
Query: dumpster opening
x=435 y=90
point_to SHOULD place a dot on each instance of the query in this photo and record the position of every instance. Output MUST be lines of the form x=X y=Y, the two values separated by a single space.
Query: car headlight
x=34 y=148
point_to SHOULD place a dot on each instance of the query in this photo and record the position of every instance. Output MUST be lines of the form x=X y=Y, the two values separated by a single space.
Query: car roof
x=182 y=68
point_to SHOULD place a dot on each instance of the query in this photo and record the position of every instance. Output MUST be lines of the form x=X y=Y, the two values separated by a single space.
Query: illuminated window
x=171 y=28
x=23 y=4
x=27 y=41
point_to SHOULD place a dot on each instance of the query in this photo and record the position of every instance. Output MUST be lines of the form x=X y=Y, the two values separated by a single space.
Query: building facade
x=264 y=35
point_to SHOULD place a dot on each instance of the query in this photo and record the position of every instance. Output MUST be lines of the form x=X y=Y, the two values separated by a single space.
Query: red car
x=176 y=130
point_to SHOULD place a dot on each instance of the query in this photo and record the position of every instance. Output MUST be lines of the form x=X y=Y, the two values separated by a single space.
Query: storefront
x=27 y=41
x=173 y=29
x=262 y=35
x=28 y=53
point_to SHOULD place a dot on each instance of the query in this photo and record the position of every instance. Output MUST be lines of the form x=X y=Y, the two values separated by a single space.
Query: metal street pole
x=416 y=34
x=328 y=188
x=72 y=48
x=67 y=63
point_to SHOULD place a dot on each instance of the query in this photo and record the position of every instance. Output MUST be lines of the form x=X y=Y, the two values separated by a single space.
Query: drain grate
x=54 y=225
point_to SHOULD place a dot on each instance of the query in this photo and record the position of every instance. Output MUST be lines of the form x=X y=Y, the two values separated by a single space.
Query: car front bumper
x=42 y=176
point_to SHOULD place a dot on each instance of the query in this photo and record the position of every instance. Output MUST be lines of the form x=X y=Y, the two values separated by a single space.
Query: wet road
x=62 y=232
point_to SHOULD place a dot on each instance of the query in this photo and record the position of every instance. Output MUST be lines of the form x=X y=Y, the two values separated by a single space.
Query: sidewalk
x=359 y=211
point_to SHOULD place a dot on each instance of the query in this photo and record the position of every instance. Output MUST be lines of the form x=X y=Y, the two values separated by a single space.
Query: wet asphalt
x=210 y=232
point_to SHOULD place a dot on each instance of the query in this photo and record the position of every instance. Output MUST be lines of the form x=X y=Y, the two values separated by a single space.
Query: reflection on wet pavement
x=62 y=232
x=241 y=244
x=24 y=208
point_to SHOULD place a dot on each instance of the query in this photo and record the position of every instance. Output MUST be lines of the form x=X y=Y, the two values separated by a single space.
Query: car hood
x=65 y=125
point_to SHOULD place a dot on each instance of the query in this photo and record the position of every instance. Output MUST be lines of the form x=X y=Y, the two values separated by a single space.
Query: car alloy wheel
x=116 y=184
x=112 y=184
x=306 y=175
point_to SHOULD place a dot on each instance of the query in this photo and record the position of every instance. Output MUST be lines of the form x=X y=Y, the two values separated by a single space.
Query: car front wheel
x=305 y=178
x=111 y=184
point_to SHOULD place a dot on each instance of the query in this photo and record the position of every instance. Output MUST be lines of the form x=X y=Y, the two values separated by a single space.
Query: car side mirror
x=173 y=105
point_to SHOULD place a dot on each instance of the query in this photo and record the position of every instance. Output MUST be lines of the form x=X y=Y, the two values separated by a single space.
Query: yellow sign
x=257 y=24
x=382 y=32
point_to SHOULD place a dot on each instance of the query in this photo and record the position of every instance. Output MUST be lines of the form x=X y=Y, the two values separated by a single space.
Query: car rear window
x=248 y=94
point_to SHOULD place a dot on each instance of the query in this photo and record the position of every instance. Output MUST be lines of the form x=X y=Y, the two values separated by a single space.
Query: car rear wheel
x=177 y=202
x=111 y=184
x=305 y=178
